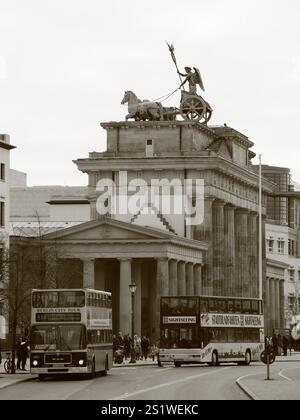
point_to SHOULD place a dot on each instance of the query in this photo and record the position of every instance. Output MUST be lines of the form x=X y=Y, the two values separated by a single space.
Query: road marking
x=283 y=376
x=81 y=388
x=245 y=389
x=178 y=381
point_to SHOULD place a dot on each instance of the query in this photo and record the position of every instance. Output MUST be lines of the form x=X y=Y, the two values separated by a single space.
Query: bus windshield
x=58 y=337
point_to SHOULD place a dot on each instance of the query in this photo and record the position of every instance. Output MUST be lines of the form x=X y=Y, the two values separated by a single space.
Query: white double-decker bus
x=211 y=330
x=71 y=332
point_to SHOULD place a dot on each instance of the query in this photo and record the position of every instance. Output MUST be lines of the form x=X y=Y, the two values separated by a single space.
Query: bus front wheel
x=214 y=359
x=247 y=358
x=93 y=372
x=177 y=364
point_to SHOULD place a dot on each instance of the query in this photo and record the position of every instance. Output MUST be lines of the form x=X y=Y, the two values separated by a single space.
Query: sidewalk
x=284 y=383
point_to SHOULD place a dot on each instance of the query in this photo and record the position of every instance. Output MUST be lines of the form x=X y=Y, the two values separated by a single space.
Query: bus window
x=204 y=306
x=231 y=335
x=255 y=307
x=221 y=305
x=239 y=335
x=230 y=306
x=219 y=335
x=212 y=305
x=246 y=306
x=237 y=307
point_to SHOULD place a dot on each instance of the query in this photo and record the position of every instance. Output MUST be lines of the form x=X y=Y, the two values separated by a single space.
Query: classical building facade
x=160 y=250
x=216 y=257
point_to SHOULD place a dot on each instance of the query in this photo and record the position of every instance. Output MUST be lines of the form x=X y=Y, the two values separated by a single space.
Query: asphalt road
x=140 y=383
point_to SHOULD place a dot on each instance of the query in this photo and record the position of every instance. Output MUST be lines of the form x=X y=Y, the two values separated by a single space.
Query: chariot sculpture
x=192 y=106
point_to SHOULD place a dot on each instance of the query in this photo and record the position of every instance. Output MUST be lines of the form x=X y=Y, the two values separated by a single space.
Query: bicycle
x=8 y=364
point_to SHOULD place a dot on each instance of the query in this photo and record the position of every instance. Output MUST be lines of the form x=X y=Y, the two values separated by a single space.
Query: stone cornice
x=157 y=125
x=191 y=162
x=6 y=146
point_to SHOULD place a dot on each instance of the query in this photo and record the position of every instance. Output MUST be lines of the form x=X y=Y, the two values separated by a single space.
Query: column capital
x=242 y=210
x=162 y=259
x=219 y=203
x=124 y=259
x=229 y=207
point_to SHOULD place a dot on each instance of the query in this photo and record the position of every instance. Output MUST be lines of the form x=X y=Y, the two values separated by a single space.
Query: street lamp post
x=132 y=288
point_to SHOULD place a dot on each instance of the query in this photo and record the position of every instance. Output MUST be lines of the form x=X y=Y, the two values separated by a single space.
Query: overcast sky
x=64 y=66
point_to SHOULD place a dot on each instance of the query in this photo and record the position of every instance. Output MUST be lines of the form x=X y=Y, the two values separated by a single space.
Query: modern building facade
x=5 y=148
x=282 y=250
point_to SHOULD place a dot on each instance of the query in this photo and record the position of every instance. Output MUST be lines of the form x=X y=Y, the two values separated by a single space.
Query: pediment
x=107 y=229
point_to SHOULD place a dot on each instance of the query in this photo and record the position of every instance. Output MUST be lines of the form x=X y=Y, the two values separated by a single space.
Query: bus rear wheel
x=177 y=364
x=42 y=377
x=104 y=372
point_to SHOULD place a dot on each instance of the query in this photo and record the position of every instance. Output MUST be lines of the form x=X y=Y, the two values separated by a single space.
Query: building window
x=2 y=214
x=291 y=247
x=2 y=171
x=280 y=243
x=270 y=245
x=292 y=275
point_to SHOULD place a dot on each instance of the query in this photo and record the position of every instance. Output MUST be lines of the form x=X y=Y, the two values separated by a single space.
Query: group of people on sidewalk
x=279 y=343
x=22 y=353
x=142 y=347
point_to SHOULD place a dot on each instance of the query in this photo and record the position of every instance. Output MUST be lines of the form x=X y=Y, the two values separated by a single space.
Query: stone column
x=218 y=248
x=277 y=304
x=253 y=255
x=241 y=238
x=89 y=273
x=205 y=233
x=162 y=289
x=137 y=279
x=282 y=304
x=173 y=279
x=229 y=250
x=267 y=309
x=197 y=280
x=181 y=278
x=298 y=243
x=190 y=279
x=125 y=296
x=99 y=275
x=272 y=304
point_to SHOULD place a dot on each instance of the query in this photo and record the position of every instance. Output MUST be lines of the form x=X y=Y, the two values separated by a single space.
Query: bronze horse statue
x=142 y=110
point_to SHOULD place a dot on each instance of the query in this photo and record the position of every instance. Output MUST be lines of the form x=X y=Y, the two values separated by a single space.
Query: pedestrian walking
x=145 y=344
x=23 y=352
x=18 y=349
x=127 y=346
x=275 y=344
x=285 y=344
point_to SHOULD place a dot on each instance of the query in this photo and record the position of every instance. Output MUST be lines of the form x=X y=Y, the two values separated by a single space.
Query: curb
x=246 y=390
x=17 y=382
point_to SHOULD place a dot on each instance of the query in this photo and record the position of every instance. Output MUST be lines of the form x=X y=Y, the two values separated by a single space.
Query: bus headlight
x=35 y=363
x=81 y=362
